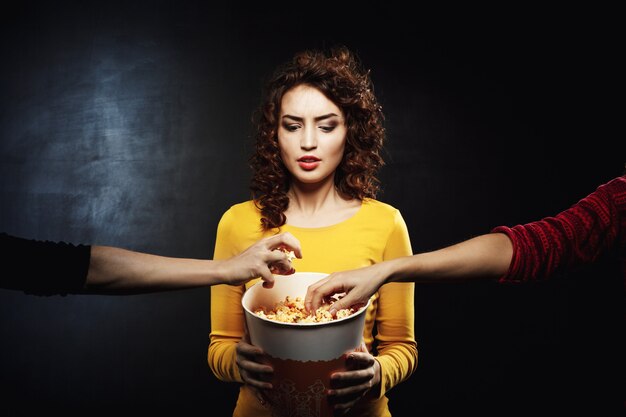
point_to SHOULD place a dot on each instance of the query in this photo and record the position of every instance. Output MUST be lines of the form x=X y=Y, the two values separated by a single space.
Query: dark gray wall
x=127 y=124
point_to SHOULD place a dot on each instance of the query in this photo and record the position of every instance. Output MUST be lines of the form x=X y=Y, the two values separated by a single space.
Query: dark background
x=128 y=124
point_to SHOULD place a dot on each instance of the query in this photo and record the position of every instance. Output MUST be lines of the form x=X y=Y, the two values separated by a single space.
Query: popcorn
x=290 y=255
x=282 y=269
x=292 y=310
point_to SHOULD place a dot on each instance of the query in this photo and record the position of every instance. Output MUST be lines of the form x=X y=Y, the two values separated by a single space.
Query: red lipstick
x=308 y=162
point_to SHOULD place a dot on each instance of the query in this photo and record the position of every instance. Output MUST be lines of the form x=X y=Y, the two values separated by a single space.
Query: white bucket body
x=303 y=355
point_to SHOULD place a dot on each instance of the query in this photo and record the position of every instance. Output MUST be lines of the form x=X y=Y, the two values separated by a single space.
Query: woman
x=319 y=137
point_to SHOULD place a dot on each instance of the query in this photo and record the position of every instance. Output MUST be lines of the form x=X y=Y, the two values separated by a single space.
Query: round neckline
x=330 y=226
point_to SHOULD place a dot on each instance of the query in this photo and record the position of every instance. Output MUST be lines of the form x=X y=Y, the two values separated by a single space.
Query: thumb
x=362 y=347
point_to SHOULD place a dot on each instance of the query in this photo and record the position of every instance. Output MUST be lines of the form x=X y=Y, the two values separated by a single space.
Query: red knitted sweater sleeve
x=576 y=236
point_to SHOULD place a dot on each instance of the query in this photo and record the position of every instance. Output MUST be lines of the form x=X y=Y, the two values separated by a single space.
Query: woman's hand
x=266 y=257
x=348 y=387
x=253 y=369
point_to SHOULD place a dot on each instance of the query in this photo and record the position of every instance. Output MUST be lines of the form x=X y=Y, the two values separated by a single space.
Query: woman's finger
x=251 y=366
x=350 y=386
x=254 y=373
x=254 y=381
x=250 y=360
x=359 y=359
x=247 y=349
x=350 y=392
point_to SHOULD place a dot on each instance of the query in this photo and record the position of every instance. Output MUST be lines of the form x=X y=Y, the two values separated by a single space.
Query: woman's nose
x=309 y=138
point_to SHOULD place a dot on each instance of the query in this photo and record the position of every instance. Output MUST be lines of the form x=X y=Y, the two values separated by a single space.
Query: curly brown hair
x=339 y=75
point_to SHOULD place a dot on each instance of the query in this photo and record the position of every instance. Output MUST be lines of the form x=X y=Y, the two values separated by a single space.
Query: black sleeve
x=43 y=267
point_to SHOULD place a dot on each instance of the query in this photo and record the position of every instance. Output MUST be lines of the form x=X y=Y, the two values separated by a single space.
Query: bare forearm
x=483 y=257
x=116 y=269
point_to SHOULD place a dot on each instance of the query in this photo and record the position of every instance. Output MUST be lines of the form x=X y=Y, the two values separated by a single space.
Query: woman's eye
x=327 y=128
x=291 y=127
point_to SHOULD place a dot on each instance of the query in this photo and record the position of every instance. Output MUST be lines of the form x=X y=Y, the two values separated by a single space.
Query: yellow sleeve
x=397 y=349
x=226 y=313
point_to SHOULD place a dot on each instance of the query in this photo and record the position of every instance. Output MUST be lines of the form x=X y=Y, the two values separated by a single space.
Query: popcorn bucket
x=303 y=355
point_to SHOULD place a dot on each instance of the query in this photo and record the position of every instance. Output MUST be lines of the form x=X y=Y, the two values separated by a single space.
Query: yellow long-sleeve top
x=377 y=232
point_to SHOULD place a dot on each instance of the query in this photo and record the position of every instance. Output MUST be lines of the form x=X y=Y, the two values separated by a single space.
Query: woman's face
x=311 y=134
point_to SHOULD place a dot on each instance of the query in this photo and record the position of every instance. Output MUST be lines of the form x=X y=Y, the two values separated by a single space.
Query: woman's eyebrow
x=317 y=119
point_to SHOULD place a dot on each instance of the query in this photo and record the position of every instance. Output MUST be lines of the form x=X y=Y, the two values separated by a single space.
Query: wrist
x=393 y=270
x=218 y=270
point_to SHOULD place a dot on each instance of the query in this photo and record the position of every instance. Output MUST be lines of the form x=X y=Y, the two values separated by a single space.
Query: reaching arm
x=49 y=268
x=119 y=270
x=483 y=257
x=537 y=250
